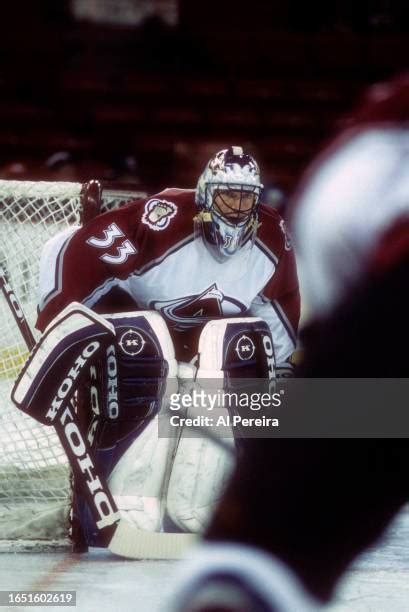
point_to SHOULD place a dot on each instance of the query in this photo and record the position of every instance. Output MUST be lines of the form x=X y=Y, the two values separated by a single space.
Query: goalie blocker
x=45 y=388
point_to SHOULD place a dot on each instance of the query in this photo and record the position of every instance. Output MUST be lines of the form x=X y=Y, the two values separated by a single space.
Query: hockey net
x=35 y=487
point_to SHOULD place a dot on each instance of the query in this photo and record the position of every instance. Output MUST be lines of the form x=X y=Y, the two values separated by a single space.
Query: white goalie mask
x=228 y=196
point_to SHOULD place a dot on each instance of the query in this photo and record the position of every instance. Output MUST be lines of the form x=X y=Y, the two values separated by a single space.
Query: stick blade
x=133 y=543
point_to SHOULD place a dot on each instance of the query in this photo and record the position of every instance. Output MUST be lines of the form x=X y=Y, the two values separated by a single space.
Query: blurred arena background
x=143 y=92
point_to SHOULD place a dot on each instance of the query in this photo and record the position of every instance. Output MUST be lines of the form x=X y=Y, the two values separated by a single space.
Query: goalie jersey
x=148 y=252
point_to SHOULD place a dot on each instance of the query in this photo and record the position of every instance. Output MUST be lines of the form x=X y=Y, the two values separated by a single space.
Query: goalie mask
x=228 y=195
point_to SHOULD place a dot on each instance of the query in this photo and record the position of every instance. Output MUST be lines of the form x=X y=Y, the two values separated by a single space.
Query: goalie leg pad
x=236 y=348
x=137 y=483
x=127 y=391
x=241 y=353
x=199 y=475
x=202 y=467
x=229 y=350
x=138 y=480
x=134 y=379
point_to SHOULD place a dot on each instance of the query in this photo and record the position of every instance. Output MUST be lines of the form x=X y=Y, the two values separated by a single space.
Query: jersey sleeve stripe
x=269 y=254
x=156 y=262
x=58 y=276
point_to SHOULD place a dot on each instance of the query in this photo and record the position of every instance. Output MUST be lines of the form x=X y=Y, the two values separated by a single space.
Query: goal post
x=35 y=488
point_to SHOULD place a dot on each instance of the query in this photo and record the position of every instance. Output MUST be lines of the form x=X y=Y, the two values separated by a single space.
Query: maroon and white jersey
x=149 y=250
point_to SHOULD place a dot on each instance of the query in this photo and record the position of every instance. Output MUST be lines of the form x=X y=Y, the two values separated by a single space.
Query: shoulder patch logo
x=158 y=214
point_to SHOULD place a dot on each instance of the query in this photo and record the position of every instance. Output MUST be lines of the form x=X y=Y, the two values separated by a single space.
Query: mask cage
x=214 y=238
x=232 y=215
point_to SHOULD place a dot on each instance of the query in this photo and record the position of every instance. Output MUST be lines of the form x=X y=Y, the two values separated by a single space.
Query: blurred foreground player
x=280 y=541
x=199 y=258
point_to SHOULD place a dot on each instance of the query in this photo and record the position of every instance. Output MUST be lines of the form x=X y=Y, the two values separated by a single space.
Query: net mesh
x=35 y=491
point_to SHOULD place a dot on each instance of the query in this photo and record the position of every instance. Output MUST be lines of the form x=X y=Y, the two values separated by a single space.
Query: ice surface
x=378 y=582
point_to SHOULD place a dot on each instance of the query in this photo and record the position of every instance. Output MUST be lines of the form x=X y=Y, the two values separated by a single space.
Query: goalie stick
x=123 y=538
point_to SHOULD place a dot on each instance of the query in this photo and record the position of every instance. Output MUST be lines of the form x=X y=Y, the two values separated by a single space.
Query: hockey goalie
x=180 y=279
x=122 y=369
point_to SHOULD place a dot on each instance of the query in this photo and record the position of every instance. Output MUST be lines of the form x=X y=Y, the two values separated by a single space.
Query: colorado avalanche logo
x=245 y=348
x=158 y=214
x=190 y=311
x=132 y=342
